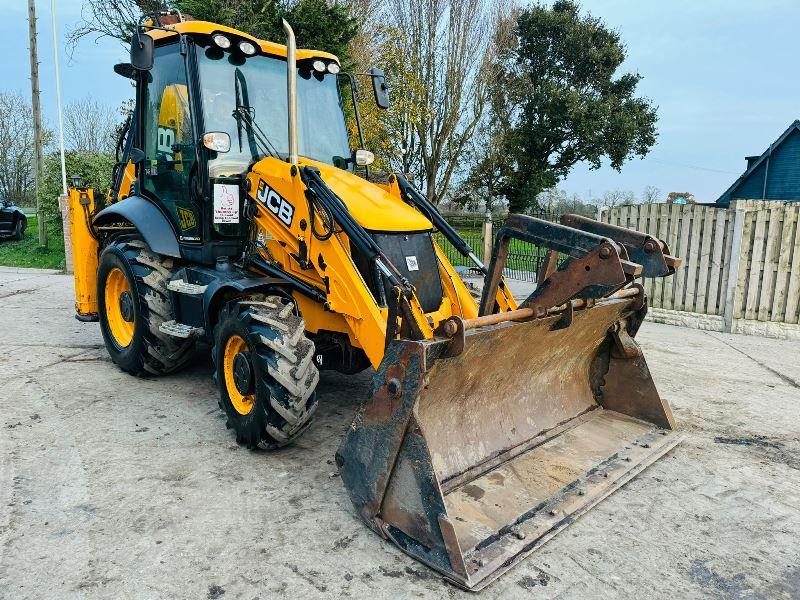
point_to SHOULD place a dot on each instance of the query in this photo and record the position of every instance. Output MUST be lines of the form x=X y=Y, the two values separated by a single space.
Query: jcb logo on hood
x=275 y=202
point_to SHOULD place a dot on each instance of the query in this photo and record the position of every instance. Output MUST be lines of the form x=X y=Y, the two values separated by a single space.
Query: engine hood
x=374 y=208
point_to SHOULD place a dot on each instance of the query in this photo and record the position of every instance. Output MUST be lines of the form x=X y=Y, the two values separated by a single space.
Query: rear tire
x=264 y=368
x=131 y=327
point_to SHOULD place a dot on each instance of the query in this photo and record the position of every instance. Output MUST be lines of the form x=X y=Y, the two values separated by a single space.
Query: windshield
x=258 y=86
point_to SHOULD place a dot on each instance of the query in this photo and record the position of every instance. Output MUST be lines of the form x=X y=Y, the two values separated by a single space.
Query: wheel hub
x=243 y=373
x=126 y=306
x=118 y=307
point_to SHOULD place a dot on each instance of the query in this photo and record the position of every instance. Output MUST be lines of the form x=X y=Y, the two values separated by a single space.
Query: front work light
x=364 y=157
x=333 y=68
x=221 y=41
x=319 y=66
x=247 y=48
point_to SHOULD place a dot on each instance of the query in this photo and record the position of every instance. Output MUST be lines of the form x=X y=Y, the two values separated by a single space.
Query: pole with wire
x=36 y=108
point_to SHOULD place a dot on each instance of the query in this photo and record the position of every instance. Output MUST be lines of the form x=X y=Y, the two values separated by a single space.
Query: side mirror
x=137 y=156
x=380 y=88
x=126 y=70
x=141 y=51
x=218 y=141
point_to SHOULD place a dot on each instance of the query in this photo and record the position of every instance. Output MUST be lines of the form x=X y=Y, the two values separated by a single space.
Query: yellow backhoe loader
x=240 y=216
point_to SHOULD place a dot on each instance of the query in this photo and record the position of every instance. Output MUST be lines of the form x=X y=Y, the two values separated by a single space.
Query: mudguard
x=149 y=220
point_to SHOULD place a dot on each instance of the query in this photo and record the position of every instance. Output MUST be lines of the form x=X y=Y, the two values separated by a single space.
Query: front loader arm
x=596 y=267
x=286 y=243
x=504 y=300
x=324 y=262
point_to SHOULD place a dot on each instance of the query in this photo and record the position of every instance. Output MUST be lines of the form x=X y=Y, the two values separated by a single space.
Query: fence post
x=733 y=266
x=486 y=232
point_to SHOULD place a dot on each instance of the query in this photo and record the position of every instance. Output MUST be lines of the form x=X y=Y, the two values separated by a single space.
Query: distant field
x=27 y=253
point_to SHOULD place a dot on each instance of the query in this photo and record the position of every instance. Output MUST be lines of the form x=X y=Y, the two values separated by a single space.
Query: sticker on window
x=411 y=263
x=226 y=203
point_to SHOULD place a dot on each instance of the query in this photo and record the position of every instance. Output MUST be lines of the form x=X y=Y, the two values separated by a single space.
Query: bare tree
x=485 y=156
x=613 y=198
x=110 y=18
x=17 y=177
x=90 y=126
x=445 y=42
x=651 y=195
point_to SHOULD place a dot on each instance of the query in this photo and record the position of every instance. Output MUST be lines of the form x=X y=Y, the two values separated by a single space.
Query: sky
x=721 y=72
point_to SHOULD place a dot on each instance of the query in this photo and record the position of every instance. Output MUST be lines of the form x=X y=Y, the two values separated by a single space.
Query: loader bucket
x=472 y=452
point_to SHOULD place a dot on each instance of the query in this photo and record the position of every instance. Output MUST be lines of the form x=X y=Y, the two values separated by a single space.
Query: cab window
x=168 y=144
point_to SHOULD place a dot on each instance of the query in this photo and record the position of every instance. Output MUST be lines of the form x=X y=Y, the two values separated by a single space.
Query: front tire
x=133 y=301
x=264 y=370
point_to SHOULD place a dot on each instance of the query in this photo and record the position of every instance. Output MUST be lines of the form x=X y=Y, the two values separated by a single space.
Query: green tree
x=391 y=134
x=317 y=23
x=94 y=170
x=565 y=101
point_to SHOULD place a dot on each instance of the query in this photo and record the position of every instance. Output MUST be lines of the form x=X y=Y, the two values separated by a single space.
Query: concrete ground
x=113 y=487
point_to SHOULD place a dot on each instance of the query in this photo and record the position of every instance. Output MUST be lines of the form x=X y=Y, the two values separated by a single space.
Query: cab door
x=170 y=168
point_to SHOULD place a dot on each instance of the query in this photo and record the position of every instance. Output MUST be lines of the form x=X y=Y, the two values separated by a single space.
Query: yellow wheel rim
x=243 y=404
x=119 y=305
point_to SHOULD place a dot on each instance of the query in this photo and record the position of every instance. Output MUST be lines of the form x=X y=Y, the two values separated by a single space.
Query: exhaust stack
x=291 y=89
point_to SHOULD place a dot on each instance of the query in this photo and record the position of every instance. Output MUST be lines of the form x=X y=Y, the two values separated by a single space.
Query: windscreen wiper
x=246 y=113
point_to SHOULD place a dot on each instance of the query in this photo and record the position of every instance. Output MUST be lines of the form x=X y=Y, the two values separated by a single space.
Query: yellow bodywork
x=128 y=178
x=84 y=252
x=351 y=308
x=207 y=28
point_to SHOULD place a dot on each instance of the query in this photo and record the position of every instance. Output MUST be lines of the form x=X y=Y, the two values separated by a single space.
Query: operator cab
x=213 y=103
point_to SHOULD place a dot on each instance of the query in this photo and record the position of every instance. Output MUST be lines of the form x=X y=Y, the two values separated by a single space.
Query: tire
x=138 y=346
x=273 y=401
x=19 y=230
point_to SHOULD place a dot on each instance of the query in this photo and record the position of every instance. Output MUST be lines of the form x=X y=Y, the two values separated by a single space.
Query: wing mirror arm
x=357 y=113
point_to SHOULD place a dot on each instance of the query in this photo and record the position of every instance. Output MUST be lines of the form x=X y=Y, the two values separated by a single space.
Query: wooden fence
x=741 y=265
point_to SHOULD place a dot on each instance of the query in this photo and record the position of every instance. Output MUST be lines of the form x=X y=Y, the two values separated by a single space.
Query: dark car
x=12 y=220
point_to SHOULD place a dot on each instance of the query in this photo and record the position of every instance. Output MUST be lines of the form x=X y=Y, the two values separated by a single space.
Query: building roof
x=779 y=181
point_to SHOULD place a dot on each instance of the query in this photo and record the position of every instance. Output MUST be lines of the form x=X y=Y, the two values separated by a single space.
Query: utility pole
x=37 y=119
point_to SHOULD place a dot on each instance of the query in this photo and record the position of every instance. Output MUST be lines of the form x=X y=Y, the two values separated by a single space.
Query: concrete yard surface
x=117 y=487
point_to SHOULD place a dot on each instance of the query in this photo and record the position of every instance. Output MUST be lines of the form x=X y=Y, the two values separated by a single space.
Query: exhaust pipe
x=291 y=89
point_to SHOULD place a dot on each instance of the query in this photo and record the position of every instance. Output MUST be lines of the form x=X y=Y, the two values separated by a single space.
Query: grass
x=522 y=256
x=26 y=253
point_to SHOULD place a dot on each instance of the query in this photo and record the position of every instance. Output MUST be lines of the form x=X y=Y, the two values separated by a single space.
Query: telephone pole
x=37 y=119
